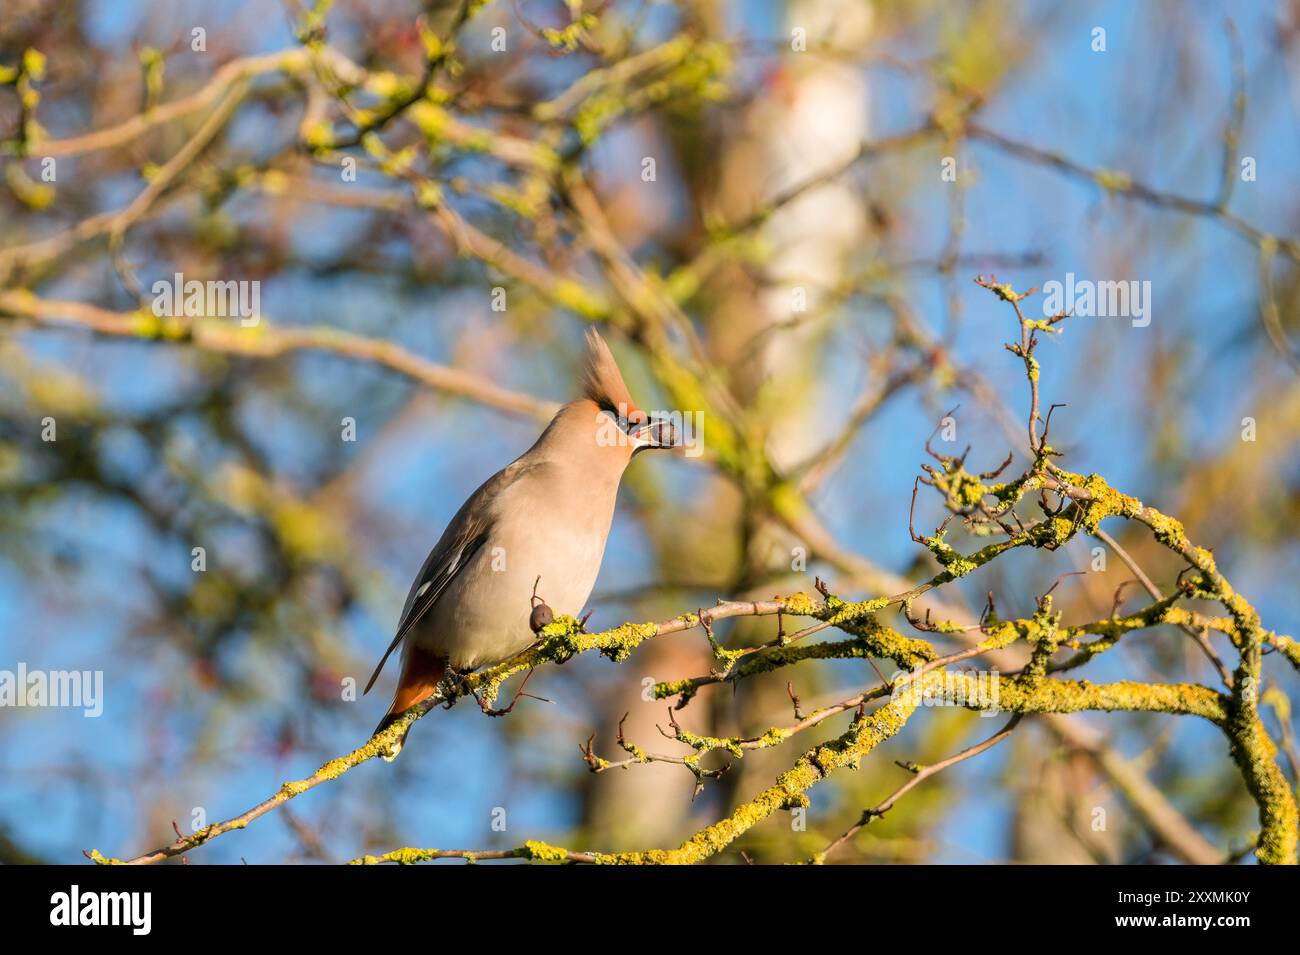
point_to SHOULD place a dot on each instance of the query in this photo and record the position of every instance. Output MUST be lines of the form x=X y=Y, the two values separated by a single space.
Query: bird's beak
x=654 y=433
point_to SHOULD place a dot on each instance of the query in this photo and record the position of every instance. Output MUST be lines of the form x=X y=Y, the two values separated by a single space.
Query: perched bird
x=536 y=527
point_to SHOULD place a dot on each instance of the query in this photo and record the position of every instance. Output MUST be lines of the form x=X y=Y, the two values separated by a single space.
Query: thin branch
x=918 y=777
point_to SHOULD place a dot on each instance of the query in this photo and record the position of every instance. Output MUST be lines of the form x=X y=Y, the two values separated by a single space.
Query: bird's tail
x=421 y=673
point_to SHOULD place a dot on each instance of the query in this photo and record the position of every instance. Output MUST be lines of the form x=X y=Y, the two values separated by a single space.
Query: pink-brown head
x=606 y=423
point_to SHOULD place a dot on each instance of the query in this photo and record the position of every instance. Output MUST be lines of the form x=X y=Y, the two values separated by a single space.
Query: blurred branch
x=1121 y=184
x=236 y=71
x=267 y=341
x=1155 y=809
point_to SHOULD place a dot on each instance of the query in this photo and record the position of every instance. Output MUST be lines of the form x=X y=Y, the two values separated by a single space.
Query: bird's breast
x=482 y=618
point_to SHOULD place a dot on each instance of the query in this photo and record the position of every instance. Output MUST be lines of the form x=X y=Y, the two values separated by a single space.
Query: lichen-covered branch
x=866 y=732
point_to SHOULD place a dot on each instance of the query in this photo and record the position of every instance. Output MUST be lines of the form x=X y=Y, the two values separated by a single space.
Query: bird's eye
x=607 y=408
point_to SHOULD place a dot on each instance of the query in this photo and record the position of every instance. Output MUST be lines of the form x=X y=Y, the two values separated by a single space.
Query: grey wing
x=466 y=534
x=440 y=569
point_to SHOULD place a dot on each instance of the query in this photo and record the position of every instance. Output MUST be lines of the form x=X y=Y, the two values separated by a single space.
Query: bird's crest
x=602 y=382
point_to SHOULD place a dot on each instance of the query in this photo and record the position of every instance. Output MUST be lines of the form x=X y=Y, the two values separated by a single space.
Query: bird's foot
x=458 y=685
